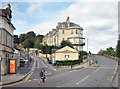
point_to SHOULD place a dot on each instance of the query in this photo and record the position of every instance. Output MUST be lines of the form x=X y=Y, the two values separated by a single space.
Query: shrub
x=68 y=62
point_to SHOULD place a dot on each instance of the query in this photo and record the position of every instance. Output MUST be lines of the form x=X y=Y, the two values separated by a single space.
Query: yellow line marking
x=20 y=81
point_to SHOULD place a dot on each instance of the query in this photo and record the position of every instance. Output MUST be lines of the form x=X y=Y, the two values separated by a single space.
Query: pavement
x=21 y=73
x=63 y=68
x=88 y=77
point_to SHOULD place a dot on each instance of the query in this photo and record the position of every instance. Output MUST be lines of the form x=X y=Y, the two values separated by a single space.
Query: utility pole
x=46 y=49
x=87 y=44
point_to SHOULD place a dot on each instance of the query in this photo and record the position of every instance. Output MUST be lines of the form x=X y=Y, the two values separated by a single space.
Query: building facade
x=6 y=38
x=65 y=31
x=65 y=53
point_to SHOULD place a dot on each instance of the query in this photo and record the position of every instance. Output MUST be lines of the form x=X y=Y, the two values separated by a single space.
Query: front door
x=66 y=57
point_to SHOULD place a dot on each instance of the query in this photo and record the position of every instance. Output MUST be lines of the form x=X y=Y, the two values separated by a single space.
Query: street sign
x=12 y=66
x=28 y=55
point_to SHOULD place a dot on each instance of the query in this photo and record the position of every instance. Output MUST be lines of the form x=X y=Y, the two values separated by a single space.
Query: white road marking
x=96 y=70
x=102 y=67
x=34 y=79
x=38 y=64
x=58 y=86
x=44 y=64
x=83 y=79
x=29 y=80
x=54 y=69
x=48 y=74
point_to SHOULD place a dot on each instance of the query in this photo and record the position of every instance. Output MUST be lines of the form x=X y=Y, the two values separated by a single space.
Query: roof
x=66 y=49
x=5 y=13
x=76 y=37
x=54 y=50
x=71 y=25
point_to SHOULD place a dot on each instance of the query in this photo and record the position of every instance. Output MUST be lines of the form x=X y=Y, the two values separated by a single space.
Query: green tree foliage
x=118 y=49
x=38 y=44
x=82 y=53
x=40 y=37
x=32 y=34
x=66 y=43
x=49 y=49
x=16 y=39
x=109 y=51
x=36 y=51
x=28 y=43
x=22 y=38
x=31 y=40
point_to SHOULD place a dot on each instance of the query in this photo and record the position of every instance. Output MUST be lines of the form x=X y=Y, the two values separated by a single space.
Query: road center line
x=38 y=65
x=44 y=64
x=83 y=79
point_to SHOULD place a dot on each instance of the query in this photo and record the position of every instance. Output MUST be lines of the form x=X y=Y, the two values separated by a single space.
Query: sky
x=98 y=19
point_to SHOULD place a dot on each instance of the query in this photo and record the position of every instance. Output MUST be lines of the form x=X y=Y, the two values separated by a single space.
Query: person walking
x=96 y=63
x=42 y=75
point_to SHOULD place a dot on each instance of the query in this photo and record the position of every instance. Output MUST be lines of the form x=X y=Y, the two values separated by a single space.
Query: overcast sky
x=98 y=19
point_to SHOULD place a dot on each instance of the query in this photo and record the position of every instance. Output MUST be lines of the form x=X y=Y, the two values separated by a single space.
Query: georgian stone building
x=6 y=38
x=65 y=31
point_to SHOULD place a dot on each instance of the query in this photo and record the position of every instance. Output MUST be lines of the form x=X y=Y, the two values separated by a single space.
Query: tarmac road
x=88 y=77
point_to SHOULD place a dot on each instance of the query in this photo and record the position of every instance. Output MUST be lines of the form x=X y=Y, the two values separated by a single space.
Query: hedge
x=68 y=62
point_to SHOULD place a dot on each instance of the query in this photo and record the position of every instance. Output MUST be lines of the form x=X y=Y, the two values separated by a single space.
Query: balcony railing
x=79 y=44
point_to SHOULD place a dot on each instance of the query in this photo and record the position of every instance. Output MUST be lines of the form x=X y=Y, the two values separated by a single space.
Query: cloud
x=21 y=26
x=42 y=28
x=34 y=7
x=99 y=20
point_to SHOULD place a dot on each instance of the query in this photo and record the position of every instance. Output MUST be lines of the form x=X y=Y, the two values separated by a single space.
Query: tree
x=36 y=51
x=16 y=39
x=22 y=38
x=40 y=37
x=25 y=43
x=118 y=49
x=28 y=43
x=110 y=51
x=32 y=34
x=82 y=53
x=37 y=44
x=65 y=43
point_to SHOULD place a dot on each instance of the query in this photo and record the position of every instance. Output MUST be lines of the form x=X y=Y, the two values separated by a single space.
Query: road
x=88 y=77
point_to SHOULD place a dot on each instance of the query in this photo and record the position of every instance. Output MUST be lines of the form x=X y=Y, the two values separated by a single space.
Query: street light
x=87 y=44
x=46 y=49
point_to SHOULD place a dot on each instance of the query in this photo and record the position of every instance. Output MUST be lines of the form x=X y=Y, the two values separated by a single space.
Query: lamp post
x=87 y=44
x=46 y=49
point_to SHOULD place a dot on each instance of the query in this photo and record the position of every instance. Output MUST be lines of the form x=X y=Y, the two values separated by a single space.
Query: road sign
x=28 y=55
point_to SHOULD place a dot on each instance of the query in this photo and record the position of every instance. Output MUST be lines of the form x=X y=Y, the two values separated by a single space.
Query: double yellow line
x=28 y=76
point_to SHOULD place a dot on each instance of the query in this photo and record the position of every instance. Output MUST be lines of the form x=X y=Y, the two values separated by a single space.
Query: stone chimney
x=8 y=6
x=10 y=12
x=68 y=21
x=59 y=24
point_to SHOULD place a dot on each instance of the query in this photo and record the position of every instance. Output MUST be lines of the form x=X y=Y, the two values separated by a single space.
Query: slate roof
x=71 y=25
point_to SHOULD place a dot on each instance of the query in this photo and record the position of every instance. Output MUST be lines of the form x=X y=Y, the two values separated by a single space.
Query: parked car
x=23 y=62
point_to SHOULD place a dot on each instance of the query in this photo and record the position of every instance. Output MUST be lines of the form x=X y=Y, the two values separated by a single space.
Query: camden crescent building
x=65 y=31
x=6 y=38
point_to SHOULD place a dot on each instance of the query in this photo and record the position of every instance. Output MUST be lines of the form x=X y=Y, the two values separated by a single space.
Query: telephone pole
x=87 y=44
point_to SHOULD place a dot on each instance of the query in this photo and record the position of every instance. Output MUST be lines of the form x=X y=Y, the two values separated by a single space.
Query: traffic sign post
x=28 y=55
